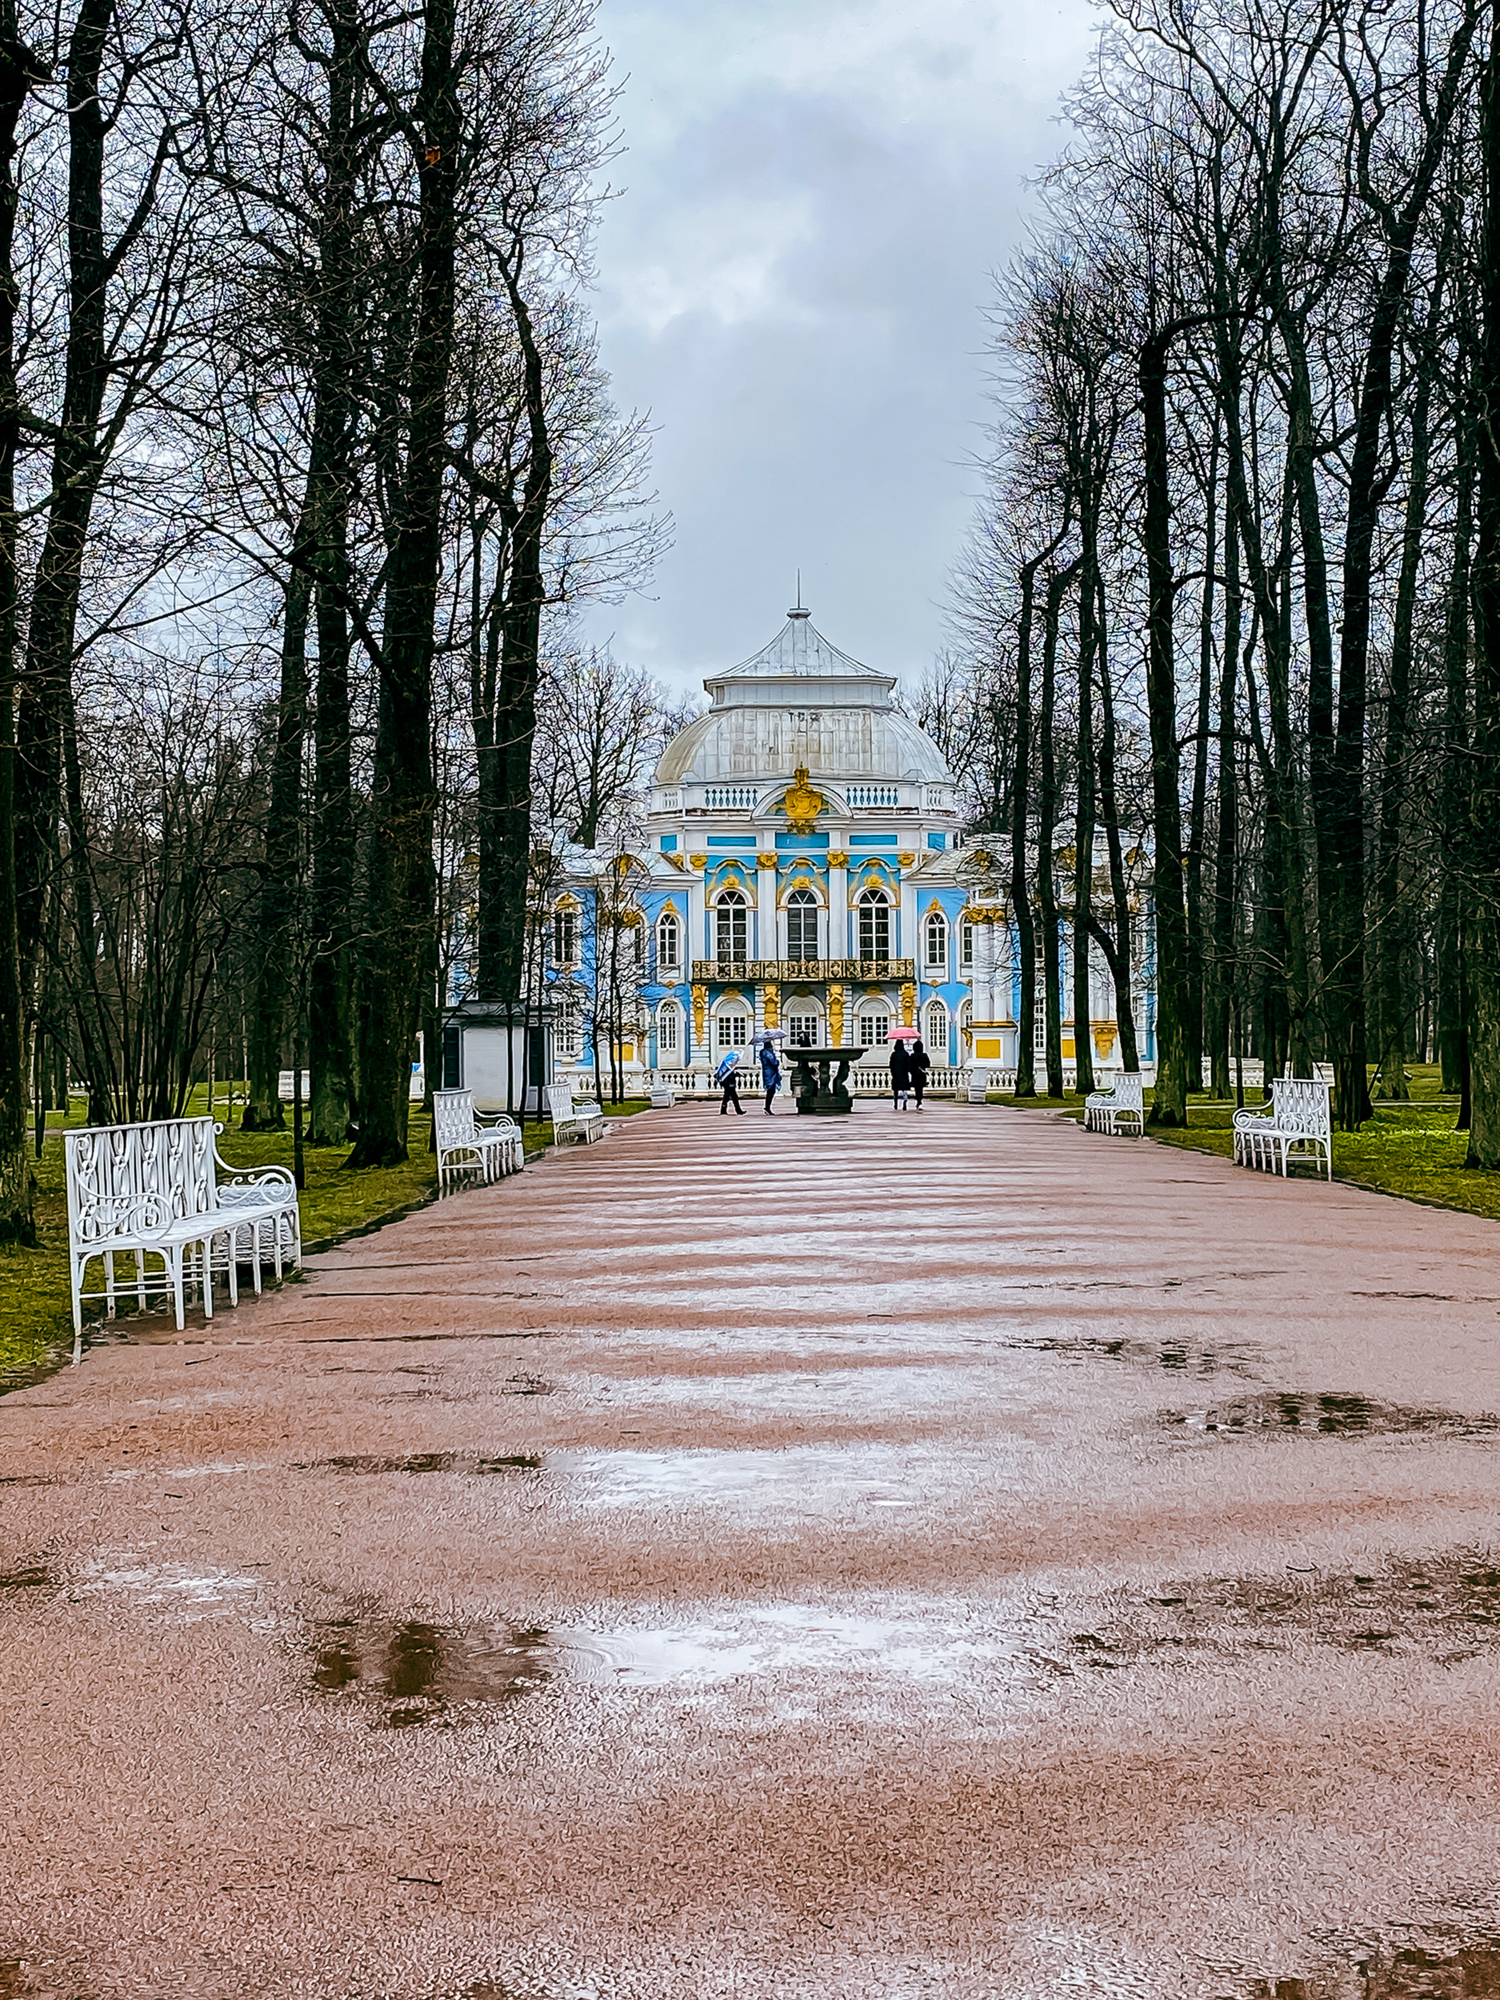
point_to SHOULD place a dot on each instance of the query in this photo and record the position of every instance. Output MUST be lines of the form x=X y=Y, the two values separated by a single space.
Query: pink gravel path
x=947 y=1555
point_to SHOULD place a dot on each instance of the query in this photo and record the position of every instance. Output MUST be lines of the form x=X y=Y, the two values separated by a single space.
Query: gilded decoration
x=1105 y=1035
x=765 y=860
x=802 y=803
x=772 y=1004
x=907 y=860
x=797 y=882
x=838 y=858
x=836 y=1016
x=697 y=861
x=908 y=1004
x=700 y=1008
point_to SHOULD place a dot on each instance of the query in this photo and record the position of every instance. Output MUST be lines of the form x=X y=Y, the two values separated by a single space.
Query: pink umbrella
x=903 y=1034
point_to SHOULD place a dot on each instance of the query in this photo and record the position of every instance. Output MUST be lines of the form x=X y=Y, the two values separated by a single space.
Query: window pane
x=874 y=1028
x=733 y=1030
x=802 y=1030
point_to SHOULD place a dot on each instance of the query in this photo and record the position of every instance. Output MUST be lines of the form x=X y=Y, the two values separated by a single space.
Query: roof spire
x=798 y=610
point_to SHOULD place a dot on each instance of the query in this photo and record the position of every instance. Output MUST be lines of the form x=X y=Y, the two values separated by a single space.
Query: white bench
x=468 y=1142
x=152 y=1190
x=1103 y=1110
x=570 y=1120
x=979 y=1085
x=1298 y=1127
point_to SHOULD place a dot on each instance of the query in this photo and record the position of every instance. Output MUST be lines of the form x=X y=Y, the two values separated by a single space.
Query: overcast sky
x=816 y=193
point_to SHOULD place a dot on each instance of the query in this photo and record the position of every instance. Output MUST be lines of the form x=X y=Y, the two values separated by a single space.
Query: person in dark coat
x=729 y=1084
x=900 y=1075
x=919 y=1063
x=770 y=1073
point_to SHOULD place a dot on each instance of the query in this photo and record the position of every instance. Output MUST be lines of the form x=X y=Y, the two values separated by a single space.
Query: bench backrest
x=1300 y=1104
x=1129 y=1091
x=453 y=1117
x=116 y=1174
x=560 y=1100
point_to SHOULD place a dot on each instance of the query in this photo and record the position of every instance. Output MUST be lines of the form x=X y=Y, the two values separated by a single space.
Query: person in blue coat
x=770 y=1073
x=727 y=1076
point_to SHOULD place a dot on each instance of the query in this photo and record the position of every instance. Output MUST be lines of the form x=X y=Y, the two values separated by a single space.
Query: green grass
x=35 y=1313
x=1411 y=1150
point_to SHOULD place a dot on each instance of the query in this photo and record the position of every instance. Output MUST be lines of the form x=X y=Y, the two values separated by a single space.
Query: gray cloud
x=816 y=194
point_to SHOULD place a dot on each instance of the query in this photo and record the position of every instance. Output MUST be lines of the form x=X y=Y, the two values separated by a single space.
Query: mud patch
x=38 y=1575
x=474 y=1464
x=422 y=1674
x=1327 y=1415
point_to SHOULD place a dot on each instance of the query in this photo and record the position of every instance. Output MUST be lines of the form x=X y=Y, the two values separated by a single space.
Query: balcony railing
x=802 y=971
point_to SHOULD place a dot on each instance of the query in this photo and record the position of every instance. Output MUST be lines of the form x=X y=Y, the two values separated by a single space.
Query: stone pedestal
x=818 y=1080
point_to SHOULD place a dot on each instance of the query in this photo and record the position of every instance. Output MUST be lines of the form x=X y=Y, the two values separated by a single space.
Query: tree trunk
x=1198 y=808
x=1083 y=822
x=1020 y=799
x=1226 y=847
x=401 y=880
x=1483 y=953
x=280 y=866
x=1169 y=1107
x=1452 y=997
x=1047 y=835
x=18 y=72
x=1119 y=888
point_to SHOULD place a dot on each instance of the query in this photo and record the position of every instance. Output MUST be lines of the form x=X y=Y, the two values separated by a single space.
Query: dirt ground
x=941 y=1555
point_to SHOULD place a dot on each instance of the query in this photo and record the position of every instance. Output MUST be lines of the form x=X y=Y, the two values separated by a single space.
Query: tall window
x=734 y=1028
x=565 y=937
x=937 y=1031
x=802 y=924
x=566 y=1036
x=937 y=946
x=874 y=926
x=1039 y=1012
x=966 y=946
x=874 y=1027
x=732 y=928
x=802 y=1031
x=668 y=944
x=668 y=1029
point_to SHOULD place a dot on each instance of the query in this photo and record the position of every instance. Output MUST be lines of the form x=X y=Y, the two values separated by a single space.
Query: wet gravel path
x=947 y=1556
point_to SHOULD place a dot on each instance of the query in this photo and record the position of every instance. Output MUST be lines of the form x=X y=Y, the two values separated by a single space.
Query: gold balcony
x=801 y=971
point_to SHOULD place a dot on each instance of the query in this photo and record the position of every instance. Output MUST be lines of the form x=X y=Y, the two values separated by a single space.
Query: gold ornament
x=907 y=860
x=697 y=861
x=700 y=1008
x=772 y=1004
x=836 y=1016
x=765 y=860
x=802 y=803
x=908 y=1003
x=838 y=858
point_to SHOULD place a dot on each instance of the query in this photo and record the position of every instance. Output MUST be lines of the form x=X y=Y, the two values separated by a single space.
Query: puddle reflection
x=1327 y=1415
x=424 y=1673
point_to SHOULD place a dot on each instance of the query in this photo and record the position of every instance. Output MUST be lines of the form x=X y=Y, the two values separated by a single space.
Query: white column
x=767 y=944
x=838 y=910
x=909 y=944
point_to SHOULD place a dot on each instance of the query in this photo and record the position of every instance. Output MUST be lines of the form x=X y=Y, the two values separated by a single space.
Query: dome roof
x=799 y=701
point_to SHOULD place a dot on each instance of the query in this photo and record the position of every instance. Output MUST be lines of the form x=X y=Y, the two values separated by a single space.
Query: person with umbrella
x=727 y=1078
x=919 y=1062
x=770 y=1066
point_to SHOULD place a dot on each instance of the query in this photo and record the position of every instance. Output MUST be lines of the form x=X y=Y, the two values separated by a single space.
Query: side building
x=804 y=866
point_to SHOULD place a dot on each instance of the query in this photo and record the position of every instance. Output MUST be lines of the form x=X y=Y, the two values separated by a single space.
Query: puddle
x=1411 y=1973
x=422 y=1673
x=1177 y=1357
x=474 y=1464
x=1445 y=1607
x=797 y=1480
x=1330 y=1415
x=188 y=1594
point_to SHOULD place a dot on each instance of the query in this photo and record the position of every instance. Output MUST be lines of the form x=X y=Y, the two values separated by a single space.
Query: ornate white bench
x=979 y=1084
x=570 y=1120
x=1298 y=1127
x=1107 y=1110
x=152 y=1190
x=469 y=1143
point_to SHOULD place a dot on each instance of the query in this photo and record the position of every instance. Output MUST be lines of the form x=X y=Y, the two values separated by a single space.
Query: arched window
x=936 y=932
x=803 y=1028
x=564 y=936
x=937 y=1031
x=732 y=928
x=802 y=925
x=874 y=926
x=668 y=944
x=668 y=1031
x=874 y=1027
x=734 y=1028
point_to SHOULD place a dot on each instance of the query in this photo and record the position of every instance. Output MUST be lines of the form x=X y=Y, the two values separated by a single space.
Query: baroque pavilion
x=804 y=867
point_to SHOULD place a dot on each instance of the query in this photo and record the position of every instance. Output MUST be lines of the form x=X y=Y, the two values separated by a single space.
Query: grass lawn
x=1410 y=1149
x=36 y=1327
